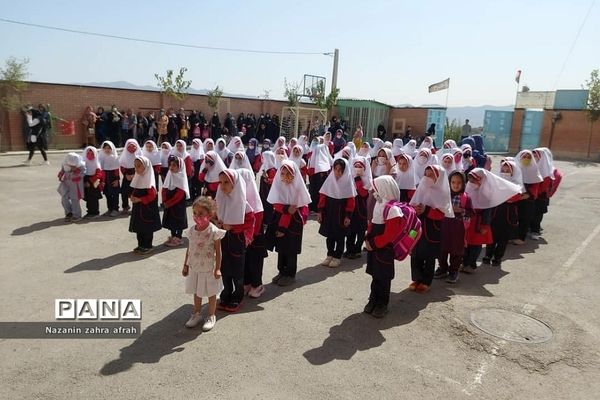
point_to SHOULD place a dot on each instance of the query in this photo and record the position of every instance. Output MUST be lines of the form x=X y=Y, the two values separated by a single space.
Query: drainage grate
x=512 y=326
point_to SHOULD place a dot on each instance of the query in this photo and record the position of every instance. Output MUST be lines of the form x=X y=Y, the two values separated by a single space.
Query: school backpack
x=409 y=235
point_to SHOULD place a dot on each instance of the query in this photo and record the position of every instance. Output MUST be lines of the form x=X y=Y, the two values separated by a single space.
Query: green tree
x=323 y=101
x=452 y=130
x=592 y=108
x=291 y=92
x=12 y=83
x=214 y=98
x=174 y=86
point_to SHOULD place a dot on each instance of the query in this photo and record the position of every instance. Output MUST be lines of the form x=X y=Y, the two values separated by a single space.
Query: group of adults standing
x=170 y=126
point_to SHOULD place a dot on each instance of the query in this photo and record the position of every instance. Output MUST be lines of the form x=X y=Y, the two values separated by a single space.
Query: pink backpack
x=410 y=233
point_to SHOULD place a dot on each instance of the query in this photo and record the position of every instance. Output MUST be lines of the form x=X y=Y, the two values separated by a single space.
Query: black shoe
x=485 y=260
x=379 y=311
x=346 y=255
x=440 y=273
x=286 y=280
x=369 y=307
x=496 y=263
x=452 y=277
x=276 y=278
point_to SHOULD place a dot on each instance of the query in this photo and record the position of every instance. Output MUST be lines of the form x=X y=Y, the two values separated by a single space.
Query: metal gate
x=497 y=128
x=531 y=129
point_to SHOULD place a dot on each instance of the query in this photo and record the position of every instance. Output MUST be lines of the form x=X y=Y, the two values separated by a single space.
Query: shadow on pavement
x=156 y=341
x=98 y=264
x=39 y=226
x=360 y=332
x=517 y=252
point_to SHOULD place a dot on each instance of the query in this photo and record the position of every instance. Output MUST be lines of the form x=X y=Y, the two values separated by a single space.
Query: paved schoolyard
x=310 y=340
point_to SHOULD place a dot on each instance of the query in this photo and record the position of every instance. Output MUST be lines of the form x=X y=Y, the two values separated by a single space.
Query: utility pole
x=336 y=55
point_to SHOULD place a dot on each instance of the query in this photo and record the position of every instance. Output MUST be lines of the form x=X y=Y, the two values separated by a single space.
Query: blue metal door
x=437 y=117
x=497 y=127
x=531 y=129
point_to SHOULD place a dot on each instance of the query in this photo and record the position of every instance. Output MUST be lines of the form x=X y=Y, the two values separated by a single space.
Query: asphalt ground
x=309 y=340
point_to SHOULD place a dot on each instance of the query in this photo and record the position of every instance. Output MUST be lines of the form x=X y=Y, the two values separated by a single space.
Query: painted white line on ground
x=528 y=308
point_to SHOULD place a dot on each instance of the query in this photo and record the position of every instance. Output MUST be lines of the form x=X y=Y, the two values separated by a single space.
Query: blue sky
x=389 y=50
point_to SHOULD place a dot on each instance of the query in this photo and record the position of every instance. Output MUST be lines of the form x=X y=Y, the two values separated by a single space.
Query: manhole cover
x=511 y=326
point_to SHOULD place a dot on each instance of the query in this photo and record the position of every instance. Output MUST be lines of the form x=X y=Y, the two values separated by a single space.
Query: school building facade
x=68 y=102
x=553 y=119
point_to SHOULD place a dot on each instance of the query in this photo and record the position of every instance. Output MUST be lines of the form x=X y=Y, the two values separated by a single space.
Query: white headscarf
x=342 y=188
x=377 y=145
x=298 y=159
x=367 y=176
x=127 y=158
x=146 y=179
x=252 y=194
x=458 y=164
x=546 y=162
x=294 y=193
x=436 y=195
x=154 y=156
x=531 y=172
x=352 y=147
x=397 y=147
x=406 y=180
x=165 y=153
x=224 y=153
x=279 y=158
x=178 y=179
x=108 y=162
x=280 y=142
x=427 y=143
x=73 y=160
x=320 y=159
x=181 y=154
x=449 y=144
x=410 y=148
x=91 y=165
x=212 y=175
x=515 y=175
x=303 y=142
x=452 y=168
x=387 y=145
x=365 y=151
x=232 y=207
x=235 y=145
x=380 y=169
x=386 y=188
x=423 y=159
x=243 y=162
x=206 y=143
x=493 y=190
x=268 y=161
x=197 y=154
x=346 y=153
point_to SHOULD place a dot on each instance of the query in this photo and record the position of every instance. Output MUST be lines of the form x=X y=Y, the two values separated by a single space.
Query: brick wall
x=69 y=102
x=402 y=117
x=571 y=135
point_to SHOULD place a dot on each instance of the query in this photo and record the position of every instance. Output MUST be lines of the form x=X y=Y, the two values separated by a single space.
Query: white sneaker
x=45 y=162
x=534 y=236
x=327 y=261
x=256 y=292
x=27 y=162
x=335 y=262
x=209 y=323
x=193 y=321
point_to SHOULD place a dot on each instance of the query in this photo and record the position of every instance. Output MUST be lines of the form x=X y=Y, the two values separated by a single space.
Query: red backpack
x=410 y=233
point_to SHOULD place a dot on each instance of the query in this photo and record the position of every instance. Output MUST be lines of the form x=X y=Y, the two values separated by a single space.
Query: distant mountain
x=473 y=114
x=132 y=86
